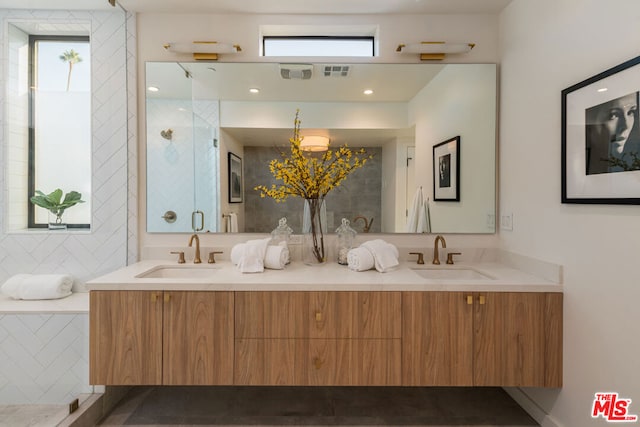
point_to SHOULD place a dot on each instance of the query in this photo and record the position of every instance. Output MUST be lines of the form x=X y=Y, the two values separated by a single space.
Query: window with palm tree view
x=59 y=132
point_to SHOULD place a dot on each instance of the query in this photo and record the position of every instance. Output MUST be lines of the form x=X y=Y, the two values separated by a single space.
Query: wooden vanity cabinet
x=482 y=339
x=318 y=338
x=431 y=338
x=161 y=337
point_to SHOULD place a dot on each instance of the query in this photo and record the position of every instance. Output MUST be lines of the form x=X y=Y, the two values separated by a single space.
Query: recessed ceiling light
x=254 y=90
x=603 y=89
x=368 y=92
x=152 y=89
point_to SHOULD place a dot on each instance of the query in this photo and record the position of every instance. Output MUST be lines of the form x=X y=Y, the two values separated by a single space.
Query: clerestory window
x=318 y=46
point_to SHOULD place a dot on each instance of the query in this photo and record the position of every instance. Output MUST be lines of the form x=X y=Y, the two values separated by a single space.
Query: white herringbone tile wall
x=104 y=248
x=44 y=374
x=132 y=138
x=44 y=358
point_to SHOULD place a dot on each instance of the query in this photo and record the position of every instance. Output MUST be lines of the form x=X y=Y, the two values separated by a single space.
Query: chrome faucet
x=436 y=256
x=367 y=224
x=197 y=259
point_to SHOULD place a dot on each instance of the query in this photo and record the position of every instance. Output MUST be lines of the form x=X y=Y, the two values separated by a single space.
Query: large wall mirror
x=198 y=113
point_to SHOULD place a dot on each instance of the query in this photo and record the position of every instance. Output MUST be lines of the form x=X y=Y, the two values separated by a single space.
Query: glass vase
x=55 y=222
x=314 y=226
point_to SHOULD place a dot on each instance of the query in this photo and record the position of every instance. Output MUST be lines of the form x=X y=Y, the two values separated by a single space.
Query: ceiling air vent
x=296 y=71
x=336 y=70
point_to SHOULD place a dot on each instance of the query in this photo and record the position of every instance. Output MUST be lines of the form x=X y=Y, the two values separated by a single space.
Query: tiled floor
x=315 y=406
x=32 y=415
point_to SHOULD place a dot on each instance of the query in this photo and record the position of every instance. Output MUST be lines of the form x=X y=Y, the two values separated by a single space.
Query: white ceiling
x=275 y=6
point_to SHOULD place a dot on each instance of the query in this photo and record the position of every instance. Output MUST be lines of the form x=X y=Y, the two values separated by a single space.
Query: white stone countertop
x=329 y=277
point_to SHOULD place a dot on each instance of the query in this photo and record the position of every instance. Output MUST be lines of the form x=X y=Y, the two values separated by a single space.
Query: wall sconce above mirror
x=435 y=50
x=203 y=50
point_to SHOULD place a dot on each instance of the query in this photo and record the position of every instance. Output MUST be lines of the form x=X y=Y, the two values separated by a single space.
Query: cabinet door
x=437 y=338
x=323 y=362
x=270 y=314
x=198 y=338
x=376 y=362
x=125 y=338
x=264 y=362
x=323 y=315
x=377 y=314
x=518 y=339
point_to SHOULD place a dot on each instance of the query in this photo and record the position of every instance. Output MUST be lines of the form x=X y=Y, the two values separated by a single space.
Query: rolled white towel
x=276 y=257
x=252 y=259
x=12 y=285
x=38 y=286
x=360 y=259
x=385 y=255
x=233 y=222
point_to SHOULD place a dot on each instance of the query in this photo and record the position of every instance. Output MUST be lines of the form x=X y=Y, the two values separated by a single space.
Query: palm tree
x=72 y=57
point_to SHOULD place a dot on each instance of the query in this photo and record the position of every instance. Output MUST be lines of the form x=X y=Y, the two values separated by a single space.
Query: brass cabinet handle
x=318 y=316
x=167 y=297
x=482 y=300
x=469 y=299
x=317 y=362
x=154 y=297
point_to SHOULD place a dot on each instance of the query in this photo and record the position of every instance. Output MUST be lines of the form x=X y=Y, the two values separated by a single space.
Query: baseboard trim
x=532 y=408
x=95 y=407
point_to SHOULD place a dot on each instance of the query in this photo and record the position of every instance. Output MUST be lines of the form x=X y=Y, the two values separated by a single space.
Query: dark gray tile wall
x=359 y=194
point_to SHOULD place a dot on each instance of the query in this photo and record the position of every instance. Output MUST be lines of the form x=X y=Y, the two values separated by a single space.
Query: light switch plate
x=506 y=221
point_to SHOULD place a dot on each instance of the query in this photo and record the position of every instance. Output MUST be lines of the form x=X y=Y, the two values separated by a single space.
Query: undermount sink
x=178 y=272
x=451 y=274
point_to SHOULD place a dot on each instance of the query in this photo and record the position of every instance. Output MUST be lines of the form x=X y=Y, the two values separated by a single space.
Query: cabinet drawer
x=318 y=315
x=339 y=362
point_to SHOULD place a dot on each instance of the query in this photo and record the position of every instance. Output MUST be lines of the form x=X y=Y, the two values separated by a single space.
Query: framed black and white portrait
x=446 y=170
x=601 y=138
x=235 y=178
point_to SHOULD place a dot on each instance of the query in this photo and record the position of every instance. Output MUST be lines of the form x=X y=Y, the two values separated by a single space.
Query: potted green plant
x=54 y=203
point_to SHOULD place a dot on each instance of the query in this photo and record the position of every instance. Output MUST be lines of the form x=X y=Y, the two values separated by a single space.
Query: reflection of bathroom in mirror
x=211 y=111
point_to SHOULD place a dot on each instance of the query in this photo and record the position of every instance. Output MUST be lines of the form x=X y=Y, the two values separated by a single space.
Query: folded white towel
x=385 y=255
x=360 y=259
x=233 y=223
x=250 y=257
x=38 y=286
x=424 y=222
x=413 y=217
x=276 y=257
x=236 y=253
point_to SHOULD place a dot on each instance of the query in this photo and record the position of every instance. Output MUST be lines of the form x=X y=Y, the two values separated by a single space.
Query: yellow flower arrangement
x=308 y=176
x=311 y=177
